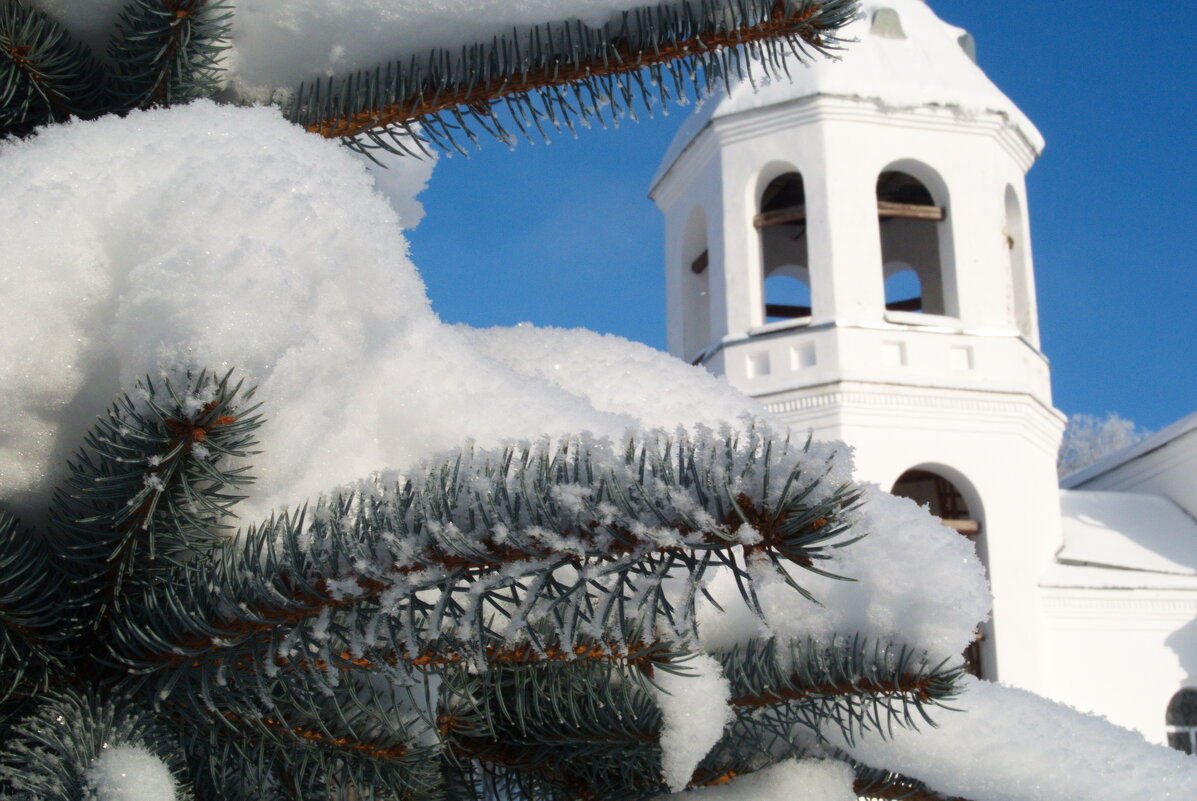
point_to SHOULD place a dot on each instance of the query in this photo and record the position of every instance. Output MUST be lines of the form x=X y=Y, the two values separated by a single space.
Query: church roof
x=1124 y=539
x=904 y=57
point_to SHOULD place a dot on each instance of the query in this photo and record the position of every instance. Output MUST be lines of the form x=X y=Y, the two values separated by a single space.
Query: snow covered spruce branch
x=148 y=494
x=601 y=731
x=161 y=52
x=550 y=75
x=164 y=52
x=495 y=621
x=549 y=552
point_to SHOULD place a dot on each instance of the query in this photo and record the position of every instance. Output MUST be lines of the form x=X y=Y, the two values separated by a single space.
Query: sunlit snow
x=129 y=773
x=277 y=44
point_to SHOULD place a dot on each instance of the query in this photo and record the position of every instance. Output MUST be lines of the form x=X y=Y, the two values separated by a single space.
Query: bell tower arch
x=870 y=279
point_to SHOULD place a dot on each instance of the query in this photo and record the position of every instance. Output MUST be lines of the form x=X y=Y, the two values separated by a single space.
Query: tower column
x=740 y=241
x=845 y=245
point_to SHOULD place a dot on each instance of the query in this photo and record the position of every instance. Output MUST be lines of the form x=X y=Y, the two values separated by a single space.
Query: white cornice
x=750 y=123
x=1171 y=605
x=1038 y=422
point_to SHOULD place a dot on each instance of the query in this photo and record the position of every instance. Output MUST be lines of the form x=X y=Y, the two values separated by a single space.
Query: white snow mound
x=695 y=711
x=912 y=581
x=129 y=773
x=792 y=780
x=1006 y=744
x=225 y=237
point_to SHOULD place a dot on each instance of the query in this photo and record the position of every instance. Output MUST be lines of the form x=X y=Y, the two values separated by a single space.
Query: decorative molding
x=1182 y=605
x=1038 y=423
x=894 y=399
x=845 y=108
x=753 y=122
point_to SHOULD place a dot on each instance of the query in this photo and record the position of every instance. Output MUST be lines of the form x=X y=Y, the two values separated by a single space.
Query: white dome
x=898 y=55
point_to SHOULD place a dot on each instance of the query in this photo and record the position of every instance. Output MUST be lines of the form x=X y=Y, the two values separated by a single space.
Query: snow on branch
x=547 y=552
x=554 y=74
x=385 y=86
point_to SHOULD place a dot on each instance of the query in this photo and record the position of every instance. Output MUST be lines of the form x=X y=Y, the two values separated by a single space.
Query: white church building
x=853 y=249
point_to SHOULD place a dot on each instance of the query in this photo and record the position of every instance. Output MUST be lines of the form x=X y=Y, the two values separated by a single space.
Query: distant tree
x=1088 y=438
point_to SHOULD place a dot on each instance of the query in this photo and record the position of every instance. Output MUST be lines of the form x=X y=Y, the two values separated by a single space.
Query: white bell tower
x=852 y=249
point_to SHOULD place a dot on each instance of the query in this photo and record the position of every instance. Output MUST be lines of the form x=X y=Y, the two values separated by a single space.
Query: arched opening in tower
x=910 y=253
x=694 y=279
x=785 y=267
x=1014 y=233
x=945 y=500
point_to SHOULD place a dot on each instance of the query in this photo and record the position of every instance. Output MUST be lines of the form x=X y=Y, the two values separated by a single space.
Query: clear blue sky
x=564 y=235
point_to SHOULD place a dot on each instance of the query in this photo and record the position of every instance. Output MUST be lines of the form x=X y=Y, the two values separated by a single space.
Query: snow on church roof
x=1124 y=539
x=919 y=61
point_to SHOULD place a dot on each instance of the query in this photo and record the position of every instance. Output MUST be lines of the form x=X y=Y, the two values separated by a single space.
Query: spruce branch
x=45 y=75
x=878 y=783
x=882 y=784
x=314 y=758
x=591 y=728
x=595 y=728
x=486 y=628
x=166 y=52
x=47 y=756
x=858 y=684
x=552 y=75
x=534 y=79
x=32 y=632
x=531 y=555
x=154 y=485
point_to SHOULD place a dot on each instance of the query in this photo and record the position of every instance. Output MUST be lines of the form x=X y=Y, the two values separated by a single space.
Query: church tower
x=852 y=248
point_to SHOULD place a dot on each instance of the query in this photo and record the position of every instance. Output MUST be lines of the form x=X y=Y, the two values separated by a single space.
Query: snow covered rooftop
x=1121 y=534
x=903 y=57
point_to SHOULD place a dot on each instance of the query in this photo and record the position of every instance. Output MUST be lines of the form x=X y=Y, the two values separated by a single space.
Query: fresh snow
x=278 y=44
x=1006 y=744
x=129 y=773
x=613 y=374
x=912 y=581
x=691 y=729
x=792 y=780
x=227 y=238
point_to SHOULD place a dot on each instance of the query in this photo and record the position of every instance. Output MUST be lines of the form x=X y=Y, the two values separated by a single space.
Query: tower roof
x=903 y=57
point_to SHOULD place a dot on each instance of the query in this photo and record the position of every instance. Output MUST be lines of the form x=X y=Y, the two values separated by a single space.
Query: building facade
x=853 y=249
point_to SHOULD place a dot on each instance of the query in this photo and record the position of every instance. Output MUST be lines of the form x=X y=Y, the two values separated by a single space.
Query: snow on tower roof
x=903 y=57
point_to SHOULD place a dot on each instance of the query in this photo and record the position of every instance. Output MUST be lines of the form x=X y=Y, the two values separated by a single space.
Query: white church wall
x=965 y=391
x=1016 y=239
x=692 y=278
x=1119 y=652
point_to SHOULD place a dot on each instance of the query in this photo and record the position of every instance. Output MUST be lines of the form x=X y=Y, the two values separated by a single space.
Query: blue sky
x=564 y=235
